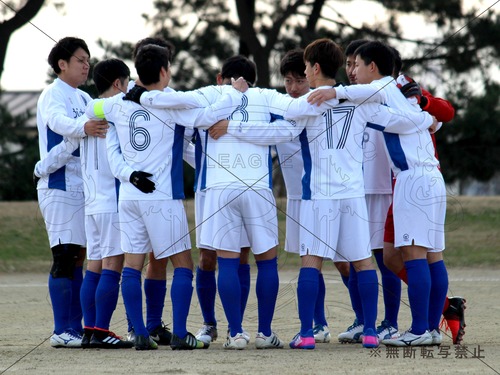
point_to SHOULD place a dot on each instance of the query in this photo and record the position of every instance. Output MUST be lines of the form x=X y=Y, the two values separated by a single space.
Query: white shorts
x=377 y=205
x=64 y=216
x=199 y=204
x=292 y=238
x=103 y=235
x=158 y=226
x=420 y=209
x=228 y=212
x=335 y=229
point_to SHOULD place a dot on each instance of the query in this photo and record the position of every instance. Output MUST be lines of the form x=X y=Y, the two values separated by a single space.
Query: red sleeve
x=439 y=108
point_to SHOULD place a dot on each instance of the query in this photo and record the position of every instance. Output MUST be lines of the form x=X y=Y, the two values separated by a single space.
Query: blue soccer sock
x=354 y=295
x=391 y=288
x=345 y=280
x=181 y=293
x=60 y=296
x=319 y=307
x=439 y=288
x=106 y=297
x=244 y=275
x=266 y=288
x=419 y=290
x=76 y=307
x=132 y=298
x=88 y=297
x=368 y=292
x=307 y=294
x=155 y=292
x=206 y=289
x=228 y=283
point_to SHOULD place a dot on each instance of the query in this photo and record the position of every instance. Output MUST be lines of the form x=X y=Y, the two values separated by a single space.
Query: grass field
x=472 y=235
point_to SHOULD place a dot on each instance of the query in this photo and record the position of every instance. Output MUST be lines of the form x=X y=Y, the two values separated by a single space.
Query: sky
x=26 y=64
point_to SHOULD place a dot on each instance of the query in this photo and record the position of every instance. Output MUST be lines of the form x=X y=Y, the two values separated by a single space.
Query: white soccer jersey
x=151 y=141
x=332 y=146
x=61 y=113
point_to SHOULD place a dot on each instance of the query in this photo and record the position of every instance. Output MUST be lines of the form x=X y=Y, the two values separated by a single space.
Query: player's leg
x=155 y=290
x=353 y=333
x=439 y=288
x=206 y=289
x=88 y=299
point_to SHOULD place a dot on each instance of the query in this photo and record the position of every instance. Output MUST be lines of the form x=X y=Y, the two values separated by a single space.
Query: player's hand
x=239 y=84
x=218 y=129
x=434 y=126
x=409 y=88
x=322 y=95
x=96 y=128
x=134 y=94
x=141 y=181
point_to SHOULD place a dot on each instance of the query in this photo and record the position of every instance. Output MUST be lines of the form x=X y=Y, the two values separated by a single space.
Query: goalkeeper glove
x=141 y=181
x=134 y=94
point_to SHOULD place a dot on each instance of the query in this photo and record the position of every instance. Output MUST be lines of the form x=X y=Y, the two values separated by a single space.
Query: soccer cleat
x=207 y=333
x=68 y=339
x=321 y=333
x=237 y=342
x=386 y=331
x=131 y=335
x=437 y=337
x=303 y=342
x=245 y=334
x=409 y=339
x=145 y=343
x=187 y=343
x=161 y=335
x=454 y=319
x=87 y=335
x=353 y=333
x=268 y=342
x=108 y=340
x=370 y=339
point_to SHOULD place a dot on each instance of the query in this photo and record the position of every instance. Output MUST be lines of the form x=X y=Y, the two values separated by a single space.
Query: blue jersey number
x=339 y=118
x=140 y=139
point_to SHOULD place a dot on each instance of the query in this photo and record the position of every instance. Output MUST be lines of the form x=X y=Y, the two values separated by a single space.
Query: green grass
x=472 y=235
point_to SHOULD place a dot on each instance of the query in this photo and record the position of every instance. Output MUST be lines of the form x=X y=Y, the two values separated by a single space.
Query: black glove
x=135 y=93
x=411 y=89
x=423 y=101
x=141 y=181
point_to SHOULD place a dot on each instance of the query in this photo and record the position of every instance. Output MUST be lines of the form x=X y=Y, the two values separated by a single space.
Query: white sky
x=26 y=64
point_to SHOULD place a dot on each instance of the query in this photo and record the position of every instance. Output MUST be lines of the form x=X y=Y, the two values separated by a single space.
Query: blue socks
x=228 y=283
x=368 y=292
x=307 y=294
x=76 y=307
x=267 y=291
x=439 y=288
x=132 y=297
x=106 y=298
x=88 y=297
x=419 y=289
x=60 y=295
x=354 y=295
x=319 y=307
x=206 y=289
x=244 y=275
x=181 y=293
x=155 y=292
x=391 y=287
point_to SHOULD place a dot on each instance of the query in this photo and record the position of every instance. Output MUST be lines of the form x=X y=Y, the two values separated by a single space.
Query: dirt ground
x=26 y=324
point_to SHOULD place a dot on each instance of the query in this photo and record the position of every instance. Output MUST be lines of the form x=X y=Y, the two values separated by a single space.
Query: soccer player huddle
x=360 y=168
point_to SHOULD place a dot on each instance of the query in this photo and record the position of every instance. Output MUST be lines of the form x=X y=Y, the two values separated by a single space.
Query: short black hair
x=64 y=49
x=327 y=54
x=398 y=63
x=239 y=66
x=107 y=71
x=157 y=41
x=293 y=62
x=380 y=54
x=149 y=61
x=354 y=45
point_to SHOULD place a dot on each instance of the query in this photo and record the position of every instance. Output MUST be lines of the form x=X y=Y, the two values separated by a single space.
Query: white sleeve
x=57 y=118
x=119 y=167
x=265 y=133
x=57 y=157
x=295 y=108
x=369 y=93
x=390 y=120
x=178 y=99
x=206 y=117
x=189 y=153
